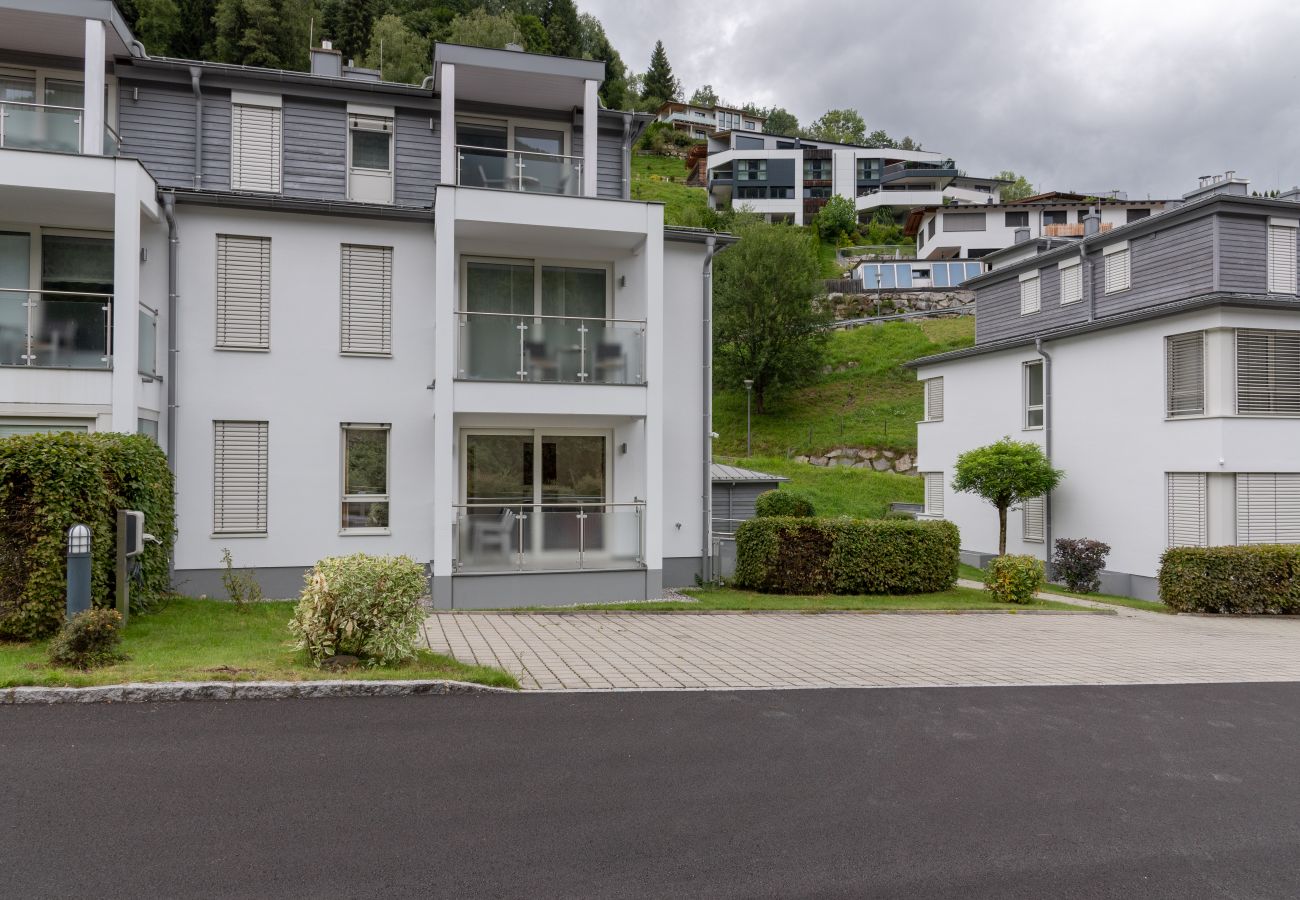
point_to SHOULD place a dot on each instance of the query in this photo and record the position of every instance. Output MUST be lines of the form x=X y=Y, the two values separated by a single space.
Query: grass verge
x=958 y=599
x=662 y=178
x=966 y=571
x=211 y=640
x=838 y=490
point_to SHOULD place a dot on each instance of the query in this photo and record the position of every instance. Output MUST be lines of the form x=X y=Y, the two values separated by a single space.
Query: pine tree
x=659 y=86
x=196 y=35
x=351 y=25
x=563 y=28
x=269 y=33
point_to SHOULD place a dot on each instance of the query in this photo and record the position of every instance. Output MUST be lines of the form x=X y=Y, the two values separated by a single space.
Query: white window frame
x=1170 y=412
x=1034 y=509
x=263 y=101
x=1282 y=273
x=216 y=295
x=538 y=263
x=346 y=498
x=377 y=119
x=934 y=488
x=1279 y=495
x=1031 y=293
x=265 y=498
x=1197 y=482
x=1117 y=261
x=55 y=424
x=1026 y=368
x=933 y=403
x=1070 y=272
x=345 y=349
x=1279 y=372
x=42 y=74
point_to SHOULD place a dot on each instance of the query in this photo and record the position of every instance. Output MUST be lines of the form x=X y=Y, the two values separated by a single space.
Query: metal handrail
x=583 y=510
x=488 y=504
x=505 y=151
x=80 y=109
x=470 y=312
x=57 y=293
x=524 y=322
x=29 y=337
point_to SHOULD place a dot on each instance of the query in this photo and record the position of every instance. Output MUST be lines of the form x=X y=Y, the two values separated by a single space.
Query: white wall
x=683 y=400
x=1110 y=436
x=997 y=234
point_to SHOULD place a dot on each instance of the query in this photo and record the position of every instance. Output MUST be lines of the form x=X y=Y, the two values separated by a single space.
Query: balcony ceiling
x=483 y=85
x=56 y=209
x=53 y=34
x=559 y=241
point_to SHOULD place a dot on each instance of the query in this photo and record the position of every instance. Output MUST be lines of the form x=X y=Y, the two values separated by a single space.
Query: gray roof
x=725 y=473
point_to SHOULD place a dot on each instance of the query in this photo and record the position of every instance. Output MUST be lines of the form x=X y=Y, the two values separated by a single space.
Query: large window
x=365 y=478
x=1185 y=374
x=1056 y=216
x=366 y=300
x=370 y=156
x=817 y=170
x=963 y=221
x=243 y=292
x=1185 y=514
x=1017 y=220
x=517 y=156
x=239 y=478
x=1268 y=372
x=868 y=169
x=1282 y=255
x=1268 y=508
x=751 y=169
x=1034 y=395
x=256 y=142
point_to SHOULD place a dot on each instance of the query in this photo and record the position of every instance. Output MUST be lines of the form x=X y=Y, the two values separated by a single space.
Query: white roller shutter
x=934 y=399
x=1186 y=518
x=243 y=292
x=1071 y=281
x=1268 y=508
x=1034 y=511
x=1185 y=374
x=1268 y=372
x=1030 y=298
x=1117 y=267
x=933 y=494
x=366 y=294
x=239 y=477
x=1282 y=256
x=256 y=144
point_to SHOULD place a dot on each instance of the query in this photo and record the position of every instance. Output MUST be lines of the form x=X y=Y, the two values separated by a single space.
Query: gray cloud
x=1139 y=95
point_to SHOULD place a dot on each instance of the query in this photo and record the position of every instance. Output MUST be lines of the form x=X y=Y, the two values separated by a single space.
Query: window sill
x=363 y=532
x=224 y=535
x=218 y=347
x=1032 y=428
x=365 y=354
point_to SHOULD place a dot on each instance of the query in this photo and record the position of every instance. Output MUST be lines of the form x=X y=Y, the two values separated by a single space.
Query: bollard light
x=78 y=540
x=78 y=599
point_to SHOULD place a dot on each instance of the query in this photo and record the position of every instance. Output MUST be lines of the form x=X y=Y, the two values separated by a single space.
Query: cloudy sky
x=1136 y=95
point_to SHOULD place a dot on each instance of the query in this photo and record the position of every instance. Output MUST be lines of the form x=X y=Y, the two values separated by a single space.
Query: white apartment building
x=789 y=179
x=359 y=316
x=1158 y=364
x=701 y=120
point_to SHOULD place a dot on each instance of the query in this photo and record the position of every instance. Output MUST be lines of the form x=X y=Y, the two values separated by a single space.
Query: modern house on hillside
x=789 y=179
x=702 y=120
x=359 y=316
x=943 y=231
x=1157 y=363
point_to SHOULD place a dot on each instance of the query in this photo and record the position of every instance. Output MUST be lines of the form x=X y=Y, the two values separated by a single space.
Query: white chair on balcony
x=493 y=534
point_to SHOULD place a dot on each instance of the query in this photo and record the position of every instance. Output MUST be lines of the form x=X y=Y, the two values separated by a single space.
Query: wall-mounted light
x=622 y=449
x=622 y=281
x=144 y=255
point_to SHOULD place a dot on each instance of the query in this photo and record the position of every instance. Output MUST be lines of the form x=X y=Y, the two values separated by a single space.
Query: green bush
x=795 y=555
x=360 y=605
x=88 y=640
x=783 y=503
x=1078 y=562
x=1014 y=579
x=1261 y=579
x=658 y=136
x=49 y=482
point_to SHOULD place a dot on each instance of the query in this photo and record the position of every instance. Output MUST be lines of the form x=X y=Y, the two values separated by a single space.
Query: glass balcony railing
x=56 y=329
x=148 y=348
x=494 y=537
x=41 y=126
x=519 y=170
x=554 y=349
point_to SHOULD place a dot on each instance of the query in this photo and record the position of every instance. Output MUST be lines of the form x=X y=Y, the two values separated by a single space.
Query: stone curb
x=560 y=611
x=172 y=691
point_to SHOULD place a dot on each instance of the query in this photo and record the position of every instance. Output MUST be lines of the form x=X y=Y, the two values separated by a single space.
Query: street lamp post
x=749 y=434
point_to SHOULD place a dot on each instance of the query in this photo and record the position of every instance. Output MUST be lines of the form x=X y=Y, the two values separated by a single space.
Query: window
x=1056 y=216
x=1185 y=374
x=239 y=477
x=256 y=142
x=817 y=193
x=1268 y=508
x=1133 y=215
x=243 y=292
x=366 y=300
x=933 y=493
x=929 y=229
x=1071 y=274
x=1030 y=297
x=370 y=154
x=1034 y=403
x=1282 y=255
x=1268 y=373
x=1185 y=509
x=1017 y=220
x=1117 y=274
x=751 y=169
x=934 y=399
x=963 y=221
x=10 y=427
x=868 y=170
x=817 y=170
x=365 y=478
x=1034 y=514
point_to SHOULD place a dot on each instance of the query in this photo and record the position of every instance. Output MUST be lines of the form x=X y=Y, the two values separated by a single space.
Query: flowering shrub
x=1014 y=579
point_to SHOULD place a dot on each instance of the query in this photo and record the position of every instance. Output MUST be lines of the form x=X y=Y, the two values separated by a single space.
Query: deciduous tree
x=479 y=28
x=842 y=126
x=705 y=95
x=1006 y=473
x=1018 y=189
x=399 y=53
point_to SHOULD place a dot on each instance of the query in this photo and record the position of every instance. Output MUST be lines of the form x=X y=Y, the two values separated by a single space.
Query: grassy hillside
x=861 y=493
x=663 y=178
x=867 y=400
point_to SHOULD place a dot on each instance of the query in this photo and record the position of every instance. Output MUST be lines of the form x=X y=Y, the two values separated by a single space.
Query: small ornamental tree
x=1006 y=473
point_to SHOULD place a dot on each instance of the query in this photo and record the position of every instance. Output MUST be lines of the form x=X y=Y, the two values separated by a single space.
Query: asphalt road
x=1185 y=791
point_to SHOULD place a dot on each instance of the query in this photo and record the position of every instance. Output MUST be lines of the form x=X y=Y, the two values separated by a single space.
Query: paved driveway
x=610 y=651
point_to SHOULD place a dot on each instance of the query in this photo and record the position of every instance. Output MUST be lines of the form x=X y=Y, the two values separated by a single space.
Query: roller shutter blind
x=934 y=400
x=1034 y=512
x=1268 y=372
x=243 y=292
x=963 y=222
x=366 y=292
x=1030 y=298
x=1185 y=374
x=1117 y=271
x=934 y=493
x=1282 y=258
x=256 y=142
x=239 y=479
x=1186 y=518
x=1268 y=508
x=1072 y=283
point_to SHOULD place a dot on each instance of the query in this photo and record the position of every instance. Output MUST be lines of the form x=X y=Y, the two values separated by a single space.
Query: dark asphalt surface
x=1186 y=791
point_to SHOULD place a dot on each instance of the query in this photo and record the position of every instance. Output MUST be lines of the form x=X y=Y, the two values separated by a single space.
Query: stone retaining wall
x=865 y=458
x=884 y=303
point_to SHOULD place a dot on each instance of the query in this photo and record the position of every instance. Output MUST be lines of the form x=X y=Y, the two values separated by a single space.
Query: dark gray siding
x=417 y=157
x=216 y=140
x=156 y=124
x=315 y=149
x=780 y=172
x=997 y=309
x=609 y=164
x=734 y=503
x=1243 y=248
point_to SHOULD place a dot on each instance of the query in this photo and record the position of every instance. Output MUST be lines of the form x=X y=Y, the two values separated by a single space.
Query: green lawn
x=956 y=600
x=662 y=178
x=831 y=267
x=210 y=640
x=1133 y=602
x=875 y=403
x=838 y=491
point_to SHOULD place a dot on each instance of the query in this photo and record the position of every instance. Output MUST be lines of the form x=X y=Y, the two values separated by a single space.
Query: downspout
x=195 y=74
x=1085 y=276
x=137 y=50
x=173 y=260
x=706 y=338
x=627 y=156
x=1047 y=450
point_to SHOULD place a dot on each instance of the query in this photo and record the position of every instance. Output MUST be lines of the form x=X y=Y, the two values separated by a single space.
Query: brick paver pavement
x=611 y=651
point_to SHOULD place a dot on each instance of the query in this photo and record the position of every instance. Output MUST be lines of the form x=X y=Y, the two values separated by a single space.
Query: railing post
x=108 y=334
x=582 y=537
x=519 y=171
x=523 y=370
x=4 y=114
x=640 y=357
x=28 y=357
x=523 y=517
x=582 y=350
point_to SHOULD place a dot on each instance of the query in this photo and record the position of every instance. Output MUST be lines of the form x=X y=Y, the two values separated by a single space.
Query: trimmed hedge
x=783 y=503
x=1261 y=579
x=48 y=482
x=792 y=555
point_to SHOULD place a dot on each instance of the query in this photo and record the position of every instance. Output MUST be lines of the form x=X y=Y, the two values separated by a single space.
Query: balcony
x=519 y=170
x=41 y=126
x=1070 y=229
x=550 y=349
x=538 y=537
x=902 y=171
x=56 y=329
